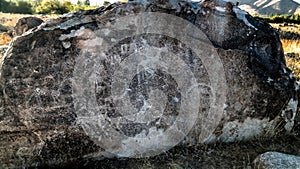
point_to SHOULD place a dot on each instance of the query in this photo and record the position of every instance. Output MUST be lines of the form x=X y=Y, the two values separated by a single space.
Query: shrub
x=86 y=3
x=22 y=7
x=3 y=5
x=281 y=18
x=54 y=6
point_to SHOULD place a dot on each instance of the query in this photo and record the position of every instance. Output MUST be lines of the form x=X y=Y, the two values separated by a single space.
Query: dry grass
x=294 y=65
x=4 y=39
x=291 y=46
x=292 y=28
x=10 y=20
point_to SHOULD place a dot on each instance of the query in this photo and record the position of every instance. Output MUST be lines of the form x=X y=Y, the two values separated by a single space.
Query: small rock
x=275 y=160
x=292 y=55
x=24 y=24
x=10 y=33
x=3 y=19
x=3 y=28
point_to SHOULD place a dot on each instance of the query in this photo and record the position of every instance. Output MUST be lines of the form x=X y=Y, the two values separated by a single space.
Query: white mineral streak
x=66 y=44
x=270 y=80
x=155 y=135
x=238 y=131
x=241 y=14
x=71 y=35
x=251 y=128
x=220 y=9
x=297 y=86
x=291 y=107
x=68 y=23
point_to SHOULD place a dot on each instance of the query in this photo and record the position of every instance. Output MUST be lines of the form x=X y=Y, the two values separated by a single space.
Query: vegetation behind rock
x=42 y=6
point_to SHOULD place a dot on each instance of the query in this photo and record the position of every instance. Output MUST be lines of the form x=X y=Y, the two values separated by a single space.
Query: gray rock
x=26 y=23
x=104 y=83
x=275 y=160
x=3 y=28
x=292 y=55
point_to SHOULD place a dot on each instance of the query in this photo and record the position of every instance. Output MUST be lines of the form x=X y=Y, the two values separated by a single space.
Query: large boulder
x=135 y=79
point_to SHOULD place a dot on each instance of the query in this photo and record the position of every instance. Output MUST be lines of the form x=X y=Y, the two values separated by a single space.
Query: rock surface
x=275 y=160
x=60 y=83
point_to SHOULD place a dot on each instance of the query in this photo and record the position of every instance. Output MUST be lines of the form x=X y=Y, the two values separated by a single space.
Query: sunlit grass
x=295 y=28
x=4 y=39
x=294 y=65
x=291 y=46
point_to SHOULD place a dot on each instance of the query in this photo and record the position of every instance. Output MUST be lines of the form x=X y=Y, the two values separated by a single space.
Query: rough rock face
x=66 y=85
